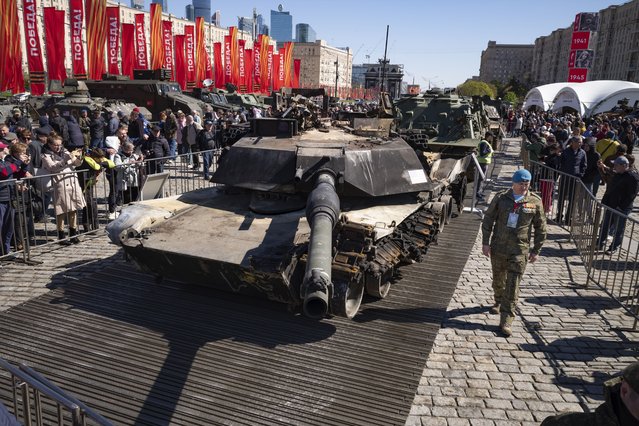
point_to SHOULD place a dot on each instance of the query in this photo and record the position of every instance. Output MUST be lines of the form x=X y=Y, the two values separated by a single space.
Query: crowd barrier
x=34 y=199
x=594 y=228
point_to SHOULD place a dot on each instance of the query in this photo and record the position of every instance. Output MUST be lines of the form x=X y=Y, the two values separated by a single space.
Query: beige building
x=318 y=65
x=213 y=34
x=550 y=57
x=501 y=62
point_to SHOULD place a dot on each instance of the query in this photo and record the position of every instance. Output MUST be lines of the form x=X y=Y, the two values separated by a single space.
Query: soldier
x=484 y=158
x=509 y=219
x=621 y=406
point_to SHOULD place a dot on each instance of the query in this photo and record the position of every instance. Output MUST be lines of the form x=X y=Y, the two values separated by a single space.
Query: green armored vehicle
x=304 y=213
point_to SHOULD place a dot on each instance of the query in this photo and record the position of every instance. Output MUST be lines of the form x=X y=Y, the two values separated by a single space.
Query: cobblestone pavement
x=567 y=340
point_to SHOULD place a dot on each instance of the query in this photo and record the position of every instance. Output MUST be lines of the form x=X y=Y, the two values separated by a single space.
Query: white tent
x=596 y=96
x=542 y=96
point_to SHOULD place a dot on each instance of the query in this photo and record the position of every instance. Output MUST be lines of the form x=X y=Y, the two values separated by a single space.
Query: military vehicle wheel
x=448 y=200
x=347 y=298
x=439 y=210
x=378 y=285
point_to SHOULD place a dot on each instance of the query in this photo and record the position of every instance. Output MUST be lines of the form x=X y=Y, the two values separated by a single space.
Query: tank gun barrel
x=322 y=212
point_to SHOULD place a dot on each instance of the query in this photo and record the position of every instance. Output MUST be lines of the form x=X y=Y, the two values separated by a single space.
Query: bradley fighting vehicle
x=305 y=214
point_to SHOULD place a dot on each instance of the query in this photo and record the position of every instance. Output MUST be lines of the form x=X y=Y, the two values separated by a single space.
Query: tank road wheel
x=448 y=200
x=378 y=285
x=439 y=210
x=347 y=298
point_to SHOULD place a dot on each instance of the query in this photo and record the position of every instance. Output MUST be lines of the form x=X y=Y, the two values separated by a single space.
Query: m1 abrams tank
x=442 y=122
x=76 y=97
x=304 y=214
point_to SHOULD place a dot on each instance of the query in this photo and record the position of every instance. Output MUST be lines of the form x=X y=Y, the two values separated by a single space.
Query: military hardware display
x=304 y=213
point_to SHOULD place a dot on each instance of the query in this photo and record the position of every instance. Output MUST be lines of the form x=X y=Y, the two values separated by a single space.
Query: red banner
x=200 y=55
x=53 y=28
x=96 y=37
x=248 y=66
x=167 y=35
x=297 y=65
x=580 y=40
x=128 y=49
x=32 y=41
x=113 y=46
x=189 y=54
x=257 y=65
x=219 y=67
x=571 y=58
x=209 y=67
x=77 y=46
x=141 y=57
x=281 y=71
x=577 y=75
x=180 y=62
x=157 y=40
x=288 y=64
x=227 y=60
x=269 y=69
x=265 y=65
x=276 y=72
x=11 y=77
x=241 y=71
x=235 y=56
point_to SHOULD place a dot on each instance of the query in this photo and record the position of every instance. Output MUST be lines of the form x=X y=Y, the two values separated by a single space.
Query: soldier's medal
x=512 y=220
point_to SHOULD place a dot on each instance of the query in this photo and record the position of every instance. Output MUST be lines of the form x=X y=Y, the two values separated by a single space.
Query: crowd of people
x=56 y=163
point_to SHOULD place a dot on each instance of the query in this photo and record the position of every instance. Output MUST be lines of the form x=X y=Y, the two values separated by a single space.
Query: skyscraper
x=281 y=26
x=245 y=24
x=304 y=33
x=190 y=12
x=202 y=8
x=260 y=24
x=137 y=4
x=164 y=3
x=216 y=19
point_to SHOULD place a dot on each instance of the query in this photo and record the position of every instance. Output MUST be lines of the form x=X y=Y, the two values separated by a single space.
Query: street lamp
x=336 y=74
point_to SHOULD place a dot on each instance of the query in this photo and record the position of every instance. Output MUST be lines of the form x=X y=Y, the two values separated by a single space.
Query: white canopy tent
x=593 y=97
x=542 y=96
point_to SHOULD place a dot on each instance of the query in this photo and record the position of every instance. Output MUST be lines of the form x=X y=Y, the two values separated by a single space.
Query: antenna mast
x=384 y=61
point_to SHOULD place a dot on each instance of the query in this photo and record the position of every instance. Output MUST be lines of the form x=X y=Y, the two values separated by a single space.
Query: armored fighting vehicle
x=76 y=97
x=441 y=121
x=216 y=99
x=303 y=213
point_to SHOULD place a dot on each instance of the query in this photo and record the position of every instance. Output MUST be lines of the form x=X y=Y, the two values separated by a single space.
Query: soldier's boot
x=505 y=325
x=73 y=233
x=495 y=309
x=61 y=239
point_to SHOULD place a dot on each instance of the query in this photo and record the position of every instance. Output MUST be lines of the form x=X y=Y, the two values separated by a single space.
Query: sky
x=438 y=42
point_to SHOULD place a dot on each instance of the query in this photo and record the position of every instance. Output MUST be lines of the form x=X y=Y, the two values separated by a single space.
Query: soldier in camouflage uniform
x=509 y=220
x=621 y=406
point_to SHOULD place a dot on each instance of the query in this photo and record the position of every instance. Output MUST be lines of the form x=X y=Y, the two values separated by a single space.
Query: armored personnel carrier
x=303 y=213
x=441 y=121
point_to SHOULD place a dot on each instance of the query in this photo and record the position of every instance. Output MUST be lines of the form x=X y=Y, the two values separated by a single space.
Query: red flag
x=248 y=66
x=55 y=43
x=265 y=65
x=235 y=58
x=96 y=36
x=12 y=77
x=209 y=67
x=77 y=46
x=297 y=65
x=219 y=66
x=228 y=72
x=276 y=72
x=180 y=61
x=141 y=57
x=288 y=64
x=257 y=65
x=200 y=55
x=281 y=72
x=241 y=75
x=128 y=49
x=269 y=69
x=167 y=35
x=113 y=25
x=34 y=53
x=157 y=40
x=189 y=54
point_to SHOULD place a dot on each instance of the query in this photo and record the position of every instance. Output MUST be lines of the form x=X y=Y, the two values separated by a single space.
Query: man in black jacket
x=59 y=124
x=155 y=149
x=573 y=163
x=206 y=142
x=620 y=195
x=592 y=159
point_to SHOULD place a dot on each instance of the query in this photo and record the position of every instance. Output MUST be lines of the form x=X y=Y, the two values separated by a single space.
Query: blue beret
x=521 y=175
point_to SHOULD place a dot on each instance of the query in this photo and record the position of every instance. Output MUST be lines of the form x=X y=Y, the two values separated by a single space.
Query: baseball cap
x=207 y=122
x=521 y=175
x=136 y=109
x=621 y=160
x=3 y=145
x=630 y=374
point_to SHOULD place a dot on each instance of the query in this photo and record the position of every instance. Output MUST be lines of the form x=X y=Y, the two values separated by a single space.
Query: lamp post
x=336 y=74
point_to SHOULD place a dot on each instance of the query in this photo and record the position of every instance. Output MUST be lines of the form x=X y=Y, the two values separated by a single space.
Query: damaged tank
x=304 y=213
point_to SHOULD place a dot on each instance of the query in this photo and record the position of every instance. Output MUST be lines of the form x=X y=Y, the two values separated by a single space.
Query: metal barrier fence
x=606 y=239
x=28 y=387
x=37 y=223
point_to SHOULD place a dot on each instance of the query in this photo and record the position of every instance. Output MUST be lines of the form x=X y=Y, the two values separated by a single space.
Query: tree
x=475 y=88
x=511 y=97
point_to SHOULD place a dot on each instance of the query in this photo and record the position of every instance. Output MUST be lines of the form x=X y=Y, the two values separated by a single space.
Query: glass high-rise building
x=245 y=24
x=216 y=19
x=281 y=26
x=202 y=8
x=137 y=4
x=190 y=12
x=304 y=33
x=164 y=3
